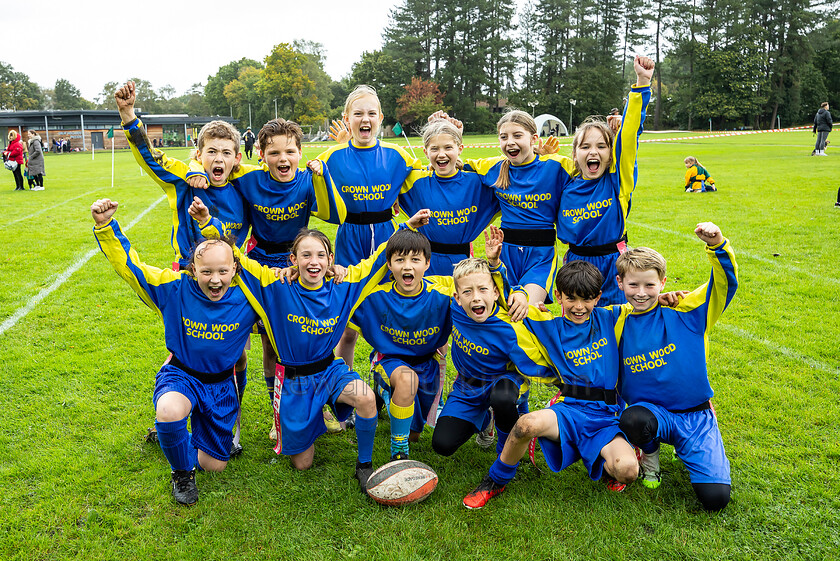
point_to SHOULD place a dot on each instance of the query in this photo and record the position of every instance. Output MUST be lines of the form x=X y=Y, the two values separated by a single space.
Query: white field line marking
x=765 y=260
x=780 y=349
x=42 y=211
x=62 y=278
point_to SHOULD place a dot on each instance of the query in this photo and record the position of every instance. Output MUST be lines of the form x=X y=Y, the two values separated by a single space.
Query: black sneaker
x=485 y=491
x=363 y=471
x=183 y=487
x=236 y=450
x=151 y=435
x=399 y=456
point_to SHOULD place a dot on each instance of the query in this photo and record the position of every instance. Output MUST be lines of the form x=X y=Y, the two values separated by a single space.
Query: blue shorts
x=531 y=265
x=583 y=432
x=611 y=294
x=442 y=264
x=302 y=402
x=279 y=260
x=428 y=375
x=214 y=408
x=471 y=404
x=354 y=242
x=697 y=442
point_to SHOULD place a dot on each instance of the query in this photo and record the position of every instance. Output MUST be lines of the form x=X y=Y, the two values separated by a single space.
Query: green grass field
x=79 y=354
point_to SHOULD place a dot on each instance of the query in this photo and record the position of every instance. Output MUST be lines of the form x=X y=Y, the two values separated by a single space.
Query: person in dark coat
x=822 y=126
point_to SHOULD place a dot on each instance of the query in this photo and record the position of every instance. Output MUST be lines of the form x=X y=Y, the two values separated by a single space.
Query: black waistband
x=531 y=238
x=291 y=372
x=702 y=407
x=413 y=360
x=472 y=382
x=450 y=248
x=270 y=248
x=204 y=377
x=596 y=250
x=369 y=217
x=589 y=393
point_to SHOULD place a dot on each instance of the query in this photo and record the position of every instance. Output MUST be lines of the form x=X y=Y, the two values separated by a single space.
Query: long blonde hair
x=524 y=120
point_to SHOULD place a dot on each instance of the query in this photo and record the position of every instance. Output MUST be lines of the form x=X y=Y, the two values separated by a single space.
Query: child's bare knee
x=301 y=464
x=524 y=428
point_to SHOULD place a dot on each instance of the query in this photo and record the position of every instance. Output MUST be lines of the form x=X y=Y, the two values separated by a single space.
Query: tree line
x=720 y=63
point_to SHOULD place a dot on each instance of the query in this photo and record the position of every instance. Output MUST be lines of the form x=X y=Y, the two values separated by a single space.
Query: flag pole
x=112 y=162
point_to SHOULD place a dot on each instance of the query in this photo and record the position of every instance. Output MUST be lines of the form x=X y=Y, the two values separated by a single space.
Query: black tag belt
x=291 y=372
x=531 y=238
x=204 y=377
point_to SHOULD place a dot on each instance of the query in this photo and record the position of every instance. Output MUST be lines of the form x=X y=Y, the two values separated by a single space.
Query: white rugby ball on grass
x=402 y=482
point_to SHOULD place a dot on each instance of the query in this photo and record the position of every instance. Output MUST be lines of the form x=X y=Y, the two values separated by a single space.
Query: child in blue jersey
x=207 y=317
x=280 y=199
x=664 y=377
x=406 y=321
x=461 y=206
x=697 y=178
x=528 y=188
x=218 y=154
x=583 y=423
x=369 y=175
x=311 y=314
x=489 y=351
x=593 y=209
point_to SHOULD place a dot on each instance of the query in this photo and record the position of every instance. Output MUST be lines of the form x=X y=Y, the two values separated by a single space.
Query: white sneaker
x=37 y=188
x=487 y=437
x=650 y=471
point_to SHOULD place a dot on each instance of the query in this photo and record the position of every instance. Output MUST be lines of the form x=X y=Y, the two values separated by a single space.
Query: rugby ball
x=402 y=482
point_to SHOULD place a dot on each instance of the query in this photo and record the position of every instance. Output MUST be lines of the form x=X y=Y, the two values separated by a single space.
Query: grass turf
x=75 y=397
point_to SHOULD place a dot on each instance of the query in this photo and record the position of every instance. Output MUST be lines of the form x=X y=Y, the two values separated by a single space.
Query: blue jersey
x=305 y=324
x=593 y=211
x=278 y=210
x=369 y=178
x=488 y=350
x=206 y=336
x=664 y=350
x=397 y=325
x=531 y=200
x=580 y=355
x=461 y=209
x=224 y=202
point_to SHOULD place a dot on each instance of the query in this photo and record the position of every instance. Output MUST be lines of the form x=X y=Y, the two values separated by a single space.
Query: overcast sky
x=179 y=43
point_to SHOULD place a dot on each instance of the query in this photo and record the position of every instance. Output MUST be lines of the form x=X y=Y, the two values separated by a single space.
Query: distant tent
x=549 y=124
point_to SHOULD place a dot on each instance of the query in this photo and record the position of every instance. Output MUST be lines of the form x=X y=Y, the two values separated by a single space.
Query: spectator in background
x=35 y=166
x=822 y=126
x=249 y=139
x=14 y=153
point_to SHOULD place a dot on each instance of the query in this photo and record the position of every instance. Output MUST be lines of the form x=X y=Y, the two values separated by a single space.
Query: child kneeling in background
x=697 y=178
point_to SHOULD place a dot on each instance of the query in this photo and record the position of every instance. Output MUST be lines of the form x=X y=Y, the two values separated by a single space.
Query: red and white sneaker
x=485 y=491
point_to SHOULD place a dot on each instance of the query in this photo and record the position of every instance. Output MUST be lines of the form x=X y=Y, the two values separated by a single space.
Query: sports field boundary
x=62 y=278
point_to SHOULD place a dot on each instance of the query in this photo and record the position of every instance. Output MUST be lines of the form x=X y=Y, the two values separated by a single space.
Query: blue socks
x=176 y=443
x=500 y=443
x=269 y=384
x=501 y=472
x=365 y=431
x=401 y=418
x=650 y=447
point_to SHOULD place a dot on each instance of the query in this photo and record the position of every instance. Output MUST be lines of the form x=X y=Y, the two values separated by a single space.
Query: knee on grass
x=713 y=496
x=624 y=469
